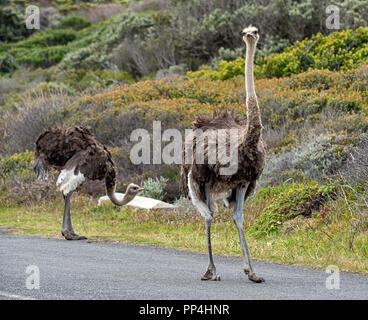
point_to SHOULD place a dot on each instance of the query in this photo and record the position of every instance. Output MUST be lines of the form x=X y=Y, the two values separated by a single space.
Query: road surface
x=90 y=270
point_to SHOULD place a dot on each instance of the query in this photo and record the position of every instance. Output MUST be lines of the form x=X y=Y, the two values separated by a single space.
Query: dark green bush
x=48 y=38
x=7 y=63
x=289 y=202
x=41 y=50
x=43 y=57
x=74 y=22
x=194 y=32
x=341 y=50
x=12 y=26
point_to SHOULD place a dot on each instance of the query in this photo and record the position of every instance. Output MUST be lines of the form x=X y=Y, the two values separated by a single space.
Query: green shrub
x=12 y=26
x=94 y=49
x=288 y=202
x=69 y=5
x=269 y=192
x=226 y=70
x=43 y=57
x=42 y=49
x=272 y=44
x=7 y=63
x=339 y=51
x=17 y=164
x=230 y=55
x=65 y=5
x=43 y=39
x=204 y=72
x=153 y=188
x=196 y=32
x=343 y=50
x=74 y=22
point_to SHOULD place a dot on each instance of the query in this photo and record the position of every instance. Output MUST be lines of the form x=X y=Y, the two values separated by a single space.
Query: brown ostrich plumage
x=251 y=156
x=203 y=178
x=79 y=156
x=74 y=147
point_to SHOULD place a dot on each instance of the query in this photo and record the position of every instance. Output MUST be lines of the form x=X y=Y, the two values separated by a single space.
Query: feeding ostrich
x=204 y=184
x=79 y=156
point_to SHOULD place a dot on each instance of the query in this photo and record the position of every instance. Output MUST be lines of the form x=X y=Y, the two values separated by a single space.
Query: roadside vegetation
x=319 y=240
x=169 y=61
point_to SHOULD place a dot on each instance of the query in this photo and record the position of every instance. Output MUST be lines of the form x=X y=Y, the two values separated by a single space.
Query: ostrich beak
x=140 y=189
x=249 y=34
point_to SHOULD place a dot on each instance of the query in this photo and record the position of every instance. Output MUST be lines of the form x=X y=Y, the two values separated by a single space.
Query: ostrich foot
x=70 y=235
x=211 y=275
x=253 y=277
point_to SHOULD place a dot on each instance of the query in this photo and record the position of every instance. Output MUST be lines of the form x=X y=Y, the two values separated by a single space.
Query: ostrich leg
x=211 y=270
x=238 y=219
x=67 y=228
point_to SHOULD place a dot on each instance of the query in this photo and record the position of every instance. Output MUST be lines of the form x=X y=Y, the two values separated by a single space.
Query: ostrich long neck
x=112 y=196
x=249 y=74
x=254 y=125
x=110 y=181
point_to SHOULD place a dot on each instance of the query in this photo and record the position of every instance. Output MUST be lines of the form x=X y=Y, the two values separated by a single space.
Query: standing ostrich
x=79 y=156
x=204 y=184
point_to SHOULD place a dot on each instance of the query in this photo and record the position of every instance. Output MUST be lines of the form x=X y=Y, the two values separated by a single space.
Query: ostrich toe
x=210 y=275
x=255 y=279
x=70 y=235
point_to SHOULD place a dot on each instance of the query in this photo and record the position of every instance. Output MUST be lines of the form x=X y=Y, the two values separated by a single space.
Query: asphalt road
x=90 y=270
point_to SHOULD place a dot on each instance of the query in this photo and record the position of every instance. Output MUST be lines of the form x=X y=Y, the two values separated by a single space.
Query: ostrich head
x=133 y=189
x=250 y=35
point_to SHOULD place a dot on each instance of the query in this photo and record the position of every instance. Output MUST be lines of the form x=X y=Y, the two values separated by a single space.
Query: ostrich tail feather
x=40 y=168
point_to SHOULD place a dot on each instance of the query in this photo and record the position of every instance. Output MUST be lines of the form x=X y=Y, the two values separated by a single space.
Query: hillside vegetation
x=157 y=34
x=169 y=61
x=344 y=50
